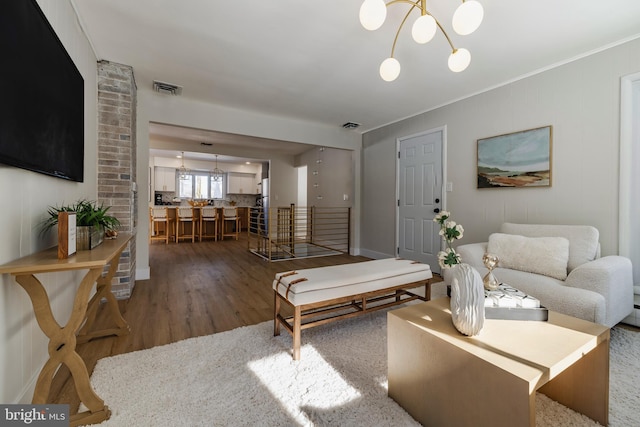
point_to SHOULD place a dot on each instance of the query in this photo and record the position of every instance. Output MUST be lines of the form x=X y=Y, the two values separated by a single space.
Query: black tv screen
x=42 y=101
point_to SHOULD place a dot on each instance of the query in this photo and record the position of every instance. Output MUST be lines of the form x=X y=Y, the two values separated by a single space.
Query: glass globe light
x=424 y=28
x=372 y=14
x=459 y=60
x=389 y=69
x=467 y=17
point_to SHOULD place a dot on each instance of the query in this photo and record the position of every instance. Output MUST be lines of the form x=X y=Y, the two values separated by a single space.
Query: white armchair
x=596 y=289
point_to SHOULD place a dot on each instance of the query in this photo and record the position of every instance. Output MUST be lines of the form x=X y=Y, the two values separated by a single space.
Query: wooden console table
x=62 y=340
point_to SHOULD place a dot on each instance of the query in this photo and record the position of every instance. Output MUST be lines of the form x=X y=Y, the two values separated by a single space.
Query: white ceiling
x=312 y=60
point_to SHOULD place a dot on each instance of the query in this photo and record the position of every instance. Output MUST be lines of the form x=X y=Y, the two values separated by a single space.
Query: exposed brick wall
x=117 y=160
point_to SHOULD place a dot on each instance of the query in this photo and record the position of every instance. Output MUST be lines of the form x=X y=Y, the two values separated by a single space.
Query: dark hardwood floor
x=195 y=289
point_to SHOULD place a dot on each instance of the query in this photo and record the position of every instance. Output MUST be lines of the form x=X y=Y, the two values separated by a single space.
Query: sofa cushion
x=320 y=284
x=548 y=256
x=583 y=239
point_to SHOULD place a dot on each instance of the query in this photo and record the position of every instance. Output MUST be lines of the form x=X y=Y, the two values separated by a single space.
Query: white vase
x=446 y=274
x=467 y=299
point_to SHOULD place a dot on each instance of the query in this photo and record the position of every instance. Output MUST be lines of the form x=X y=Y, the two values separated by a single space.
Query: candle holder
x=489 y=280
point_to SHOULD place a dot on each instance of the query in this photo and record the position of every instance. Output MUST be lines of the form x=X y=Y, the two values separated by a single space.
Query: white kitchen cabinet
x=241 y=183
x=165 y=179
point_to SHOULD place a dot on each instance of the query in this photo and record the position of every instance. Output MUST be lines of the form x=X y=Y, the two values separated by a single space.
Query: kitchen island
x=243 y=213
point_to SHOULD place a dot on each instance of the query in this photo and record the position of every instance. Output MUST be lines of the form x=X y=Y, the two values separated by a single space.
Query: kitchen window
x=216 y=187
x=200 y=185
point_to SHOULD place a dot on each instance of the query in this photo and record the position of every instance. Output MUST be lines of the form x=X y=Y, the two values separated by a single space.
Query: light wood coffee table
x=443 y=378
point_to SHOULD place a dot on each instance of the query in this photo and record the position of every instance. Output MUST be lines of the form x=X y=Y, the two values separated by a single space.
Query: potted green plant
x=91 y=222
x=449 y=231
x=448 y=258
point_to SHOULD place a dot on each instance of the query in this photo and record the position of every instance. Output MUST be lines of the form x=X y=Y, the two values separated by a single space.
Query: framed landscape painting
x=519 y=159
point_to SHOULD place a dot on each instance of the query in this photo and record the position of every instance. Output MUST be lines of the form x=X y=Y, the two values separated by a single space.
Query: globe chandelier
x=216 y=173
x=183 y=172
x=466 y=19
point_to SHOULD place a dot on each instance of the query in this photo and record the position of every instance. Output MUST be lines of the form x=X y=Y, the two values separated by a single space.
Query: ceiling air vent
x=167 y=88
x=351 y=125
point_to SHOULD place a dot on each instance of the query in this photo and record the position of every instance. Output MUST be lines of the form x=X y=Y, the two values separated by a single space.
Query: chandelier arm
x=413 y=6
x=420 y=4
x=453 y=48
x=414 y=3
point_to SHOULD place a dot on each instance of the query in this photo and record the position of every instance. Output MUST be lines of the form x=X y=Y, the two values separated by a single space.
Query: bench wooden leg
x=276 y=312
x=297 y=325
x=356 y=305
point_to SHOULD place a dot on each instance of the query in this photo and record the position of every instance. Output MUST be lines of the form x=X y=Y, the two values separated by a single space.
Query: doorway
x=419 y=190
x=629 y=230
x=302 y=186
x=302 y=199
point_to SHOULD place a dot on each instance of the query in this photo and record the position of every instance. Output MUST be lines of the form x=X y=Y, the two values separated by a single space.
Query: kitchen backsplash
x=240 y=199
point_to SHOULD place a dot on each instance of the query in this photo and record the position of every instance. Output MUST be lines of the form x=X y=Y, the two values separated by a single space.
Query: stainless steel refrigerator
x=265 y=205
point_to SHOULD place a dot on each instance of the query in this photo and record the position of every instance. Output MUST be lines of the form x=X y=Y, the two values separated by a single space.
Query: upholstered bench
x=321 y=295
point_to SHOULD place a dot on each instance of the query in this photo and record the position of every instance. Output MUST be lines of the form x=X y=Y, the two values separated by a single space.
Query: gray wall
x=334 y=176
x=579 y=99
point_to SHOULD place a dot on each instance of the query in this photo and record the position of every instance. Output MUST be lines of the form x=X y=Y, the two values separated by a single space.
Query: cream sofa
x=591 y=288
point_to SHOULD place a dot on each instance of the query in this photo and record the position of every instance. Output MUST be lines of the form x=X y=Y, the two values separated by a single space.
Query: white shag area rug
x=246 y=377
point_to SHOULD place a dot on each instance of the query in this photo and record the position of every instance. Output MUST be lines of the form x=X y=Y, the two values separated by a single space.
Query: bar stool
x=208 y=214
x=184 y=215
x=230 y=215
x=159 y=216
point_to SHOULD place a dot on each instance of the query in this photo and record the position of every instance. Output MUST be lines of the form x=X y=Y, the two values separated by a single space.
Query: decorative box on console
x=508 y=303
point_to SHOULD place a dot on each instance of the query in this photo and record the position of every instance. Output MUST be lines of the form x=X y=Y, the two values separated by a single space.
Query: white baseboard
x=26 y=394
x=634 y=317
x=374 y=254
x=143 y=273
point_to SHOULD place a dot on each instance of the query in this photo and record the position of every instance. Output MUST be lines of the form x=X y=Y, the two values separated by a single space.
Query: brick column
x=117 y=160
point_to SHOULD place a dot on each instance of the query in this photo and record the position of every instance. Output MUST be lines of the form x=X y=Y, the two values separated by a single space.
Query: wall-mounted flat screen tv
x=42 y=97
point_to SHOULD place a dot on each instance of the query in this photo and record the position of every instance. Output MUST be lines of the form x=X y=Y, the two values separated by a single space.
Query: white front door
x=420 y=179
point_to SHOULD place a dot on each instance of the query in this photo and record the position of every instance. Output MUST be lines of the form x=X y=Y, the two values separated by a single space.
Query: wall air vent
x=351 y=125
x=167 y=88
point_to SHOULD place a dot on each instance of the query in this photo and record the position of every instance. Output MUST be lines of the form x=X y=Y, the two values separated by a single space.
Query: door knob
x=436 y=210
